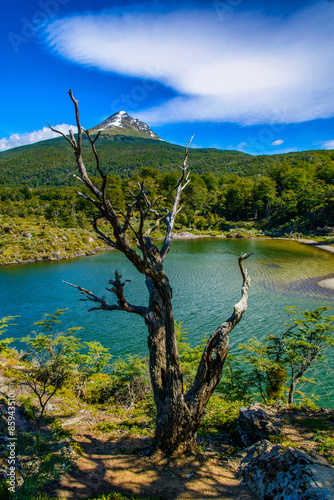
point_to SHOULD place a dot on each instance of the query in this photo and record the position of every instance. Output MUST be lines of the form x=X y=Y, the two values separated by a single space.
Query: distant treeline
x=293 y=191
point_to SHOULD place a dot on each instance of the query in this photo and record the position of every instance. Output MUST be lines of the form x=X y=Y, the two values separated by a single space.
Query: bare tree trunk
x=292 y=391
x=179 y=415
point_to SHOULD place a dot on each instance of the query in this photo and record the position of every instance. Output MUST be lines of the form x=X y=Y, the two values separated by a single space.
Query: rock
x=71 y=421
x=26 y=234
x=185 y=236
x=254 y=424
x=275 y=473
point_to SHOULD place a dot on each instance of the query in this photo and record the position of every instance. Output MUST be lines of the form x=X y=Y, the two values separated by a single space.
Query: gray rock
x=254 y=424
x=275 y=473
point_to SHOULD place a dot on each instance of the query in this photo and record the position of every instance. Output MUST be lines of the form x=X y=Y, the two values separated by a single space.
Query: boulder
x=276 y=473
x=254 y=424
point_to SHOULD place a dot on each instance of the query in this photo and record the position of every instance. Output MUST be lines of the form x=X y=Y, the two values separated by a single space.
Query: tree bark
x=292 y=391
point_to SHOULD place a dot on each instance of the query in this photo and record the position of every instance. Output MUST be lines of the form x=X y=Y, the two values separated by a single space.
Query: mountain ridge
x=125 y=146
x=122 y=123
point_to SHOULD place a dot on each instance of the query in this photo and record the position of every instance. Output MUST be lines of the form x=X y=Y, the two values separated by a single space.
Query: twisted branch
x=213 y=357
x=171 y=216
x=118 y=290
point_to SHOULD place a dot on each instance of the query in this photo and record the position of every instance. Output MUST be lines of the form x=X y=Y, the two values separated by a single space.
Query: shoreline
x=57 y=258
x=184 y=235
x=316 y=244
x=327 y=283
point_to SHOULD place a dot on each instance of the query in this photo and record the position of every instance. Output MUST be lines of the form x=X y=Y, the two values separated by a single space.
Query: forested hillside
x=278 y=195
x=51 y=163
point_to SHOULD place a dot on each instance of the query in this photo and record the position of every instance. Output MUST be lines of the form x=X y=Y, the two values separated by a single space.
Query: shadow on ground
x=124 y=466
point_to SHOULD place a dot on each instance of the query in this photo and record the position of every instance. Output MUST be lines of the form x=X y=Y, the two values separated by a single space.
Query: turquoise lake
x=206 y=284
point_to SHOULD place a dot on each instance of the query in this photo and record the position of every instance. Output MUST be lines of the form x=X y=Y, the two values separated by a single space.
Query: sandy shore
x=327 y=283
x=321 y=246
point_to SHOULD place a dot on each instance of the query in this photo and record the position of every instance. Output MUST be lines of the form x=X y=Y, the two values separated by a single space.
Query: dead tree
x=178 y=414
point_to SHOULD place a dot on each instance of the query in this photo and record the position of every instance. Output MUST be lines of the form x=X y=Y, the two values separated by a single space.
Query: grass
x=128 y=427
x=323 y=430
x=315 y=424
x=25 y=240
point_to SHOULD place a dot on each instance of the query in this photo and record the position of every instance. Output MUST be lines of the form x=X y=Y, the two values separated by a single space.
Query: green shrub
x=129 y=380
x=4 y=323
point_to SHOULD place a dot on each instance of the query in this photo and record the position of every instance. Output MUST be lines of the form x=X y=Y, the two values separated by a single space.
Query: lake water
x=206 y=284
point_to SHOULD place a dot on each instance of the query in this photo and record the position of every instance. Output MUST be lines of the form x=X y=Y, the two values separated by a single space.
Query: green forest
x=230 y=193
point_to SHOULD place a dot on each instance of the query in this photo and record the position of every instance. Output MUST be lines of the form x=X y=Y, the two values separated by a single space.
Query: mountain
x=122 y=123
x=123 y=150
x=125 y=146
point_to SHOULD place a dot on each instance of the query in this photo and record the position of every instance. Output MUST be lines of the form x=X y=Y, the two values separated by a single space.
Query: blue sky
x=248 y=75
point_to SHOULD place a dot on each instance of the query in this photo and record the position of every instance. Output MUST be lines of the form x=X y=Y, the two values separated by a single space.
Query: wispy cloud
x=16 y=140
x=248 y=68
x=328 y=144
x=277 y=143
x=245 y=147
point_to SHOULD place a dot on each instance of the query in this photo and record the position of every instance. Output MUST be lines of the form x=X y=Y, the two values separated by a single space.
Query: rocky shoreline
x=56 y=257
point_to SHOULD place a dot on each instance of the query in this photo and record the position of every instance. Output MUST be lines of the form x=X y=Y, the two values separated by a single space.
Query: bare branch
x=106 y=208
x=117 y=289
x=77 y=117
x=73 y=139
x=101 y=235
x=170 y=219
x=64 y=135
x=97 y=158
x=213 y=357
x=156 y=225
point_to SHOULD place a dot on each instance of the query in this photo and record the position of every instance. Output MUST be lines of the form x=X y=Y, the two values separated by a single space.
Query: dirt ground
x=186 y=478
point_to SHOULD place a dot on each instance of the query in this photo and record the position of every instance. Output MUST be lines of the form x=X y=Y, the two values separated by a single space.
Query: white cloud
x=277 y=143
x=328 y=145
x=16 y=140
x=247 y=69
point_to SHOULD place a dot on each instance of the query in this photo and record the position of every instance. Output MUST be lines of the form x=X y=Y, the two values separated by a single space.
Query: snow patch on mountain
x=122 y=120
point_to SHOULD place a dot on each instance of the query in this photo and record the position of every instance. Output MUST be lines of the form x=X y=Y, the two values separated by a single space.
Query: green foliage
x=56 y=357
x=276 y=379
x=276 y=438
x=220 y=417
x=50 y=163
x=285 y=359
x=29 y=407
x=129 y=380
x=315 y=424
x=33 y=237
x=326 y=443
x=50 y=355
x=4 y=323
x=119 y=496
x=234 y=384
x=128 y=428
x=41 y=461
x=281 y=194
x=88 y=364
x=44 y=461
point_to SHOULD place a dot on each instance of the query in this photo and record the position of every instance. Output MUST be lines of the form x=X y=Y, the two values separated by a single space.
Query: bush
x=4 y=323
x=129 y=380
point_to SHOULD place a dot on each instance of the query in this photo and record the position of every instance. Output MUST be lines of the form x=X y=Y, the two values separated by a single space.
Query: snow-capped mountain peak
x=121 y=120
